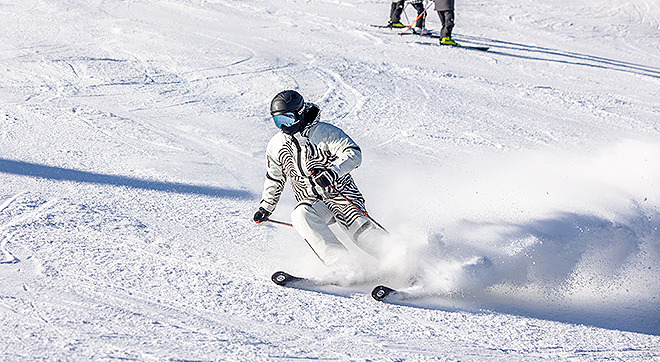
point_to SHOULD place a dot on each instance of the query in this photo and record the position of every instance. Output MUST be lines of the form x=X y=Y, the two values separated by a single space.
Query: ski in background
x=435 y=36
x=388 y=26
x=483 y=49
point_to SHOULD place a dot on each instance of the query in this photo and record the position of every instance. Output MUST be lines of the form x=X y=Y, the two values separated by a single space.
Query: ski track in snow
x=520 y=184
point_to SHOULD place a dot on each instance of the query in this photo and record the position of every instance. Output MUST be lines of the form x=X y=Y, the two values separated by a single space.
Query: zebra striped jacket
x=317 y=145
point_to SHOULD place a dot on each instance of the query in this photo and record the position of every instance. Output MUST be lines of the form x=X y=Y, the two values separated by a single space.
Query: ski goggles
x=287 y=119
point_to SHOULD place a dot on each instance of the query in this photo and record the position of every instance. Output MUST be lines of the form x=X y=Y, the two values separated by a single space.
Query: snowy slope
x=132 y=140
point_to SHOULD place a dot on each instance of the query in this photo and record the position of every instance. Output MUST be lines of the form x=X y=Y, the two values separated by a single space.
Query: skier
x=395 y=15
x=445 y=9
x=317 y=158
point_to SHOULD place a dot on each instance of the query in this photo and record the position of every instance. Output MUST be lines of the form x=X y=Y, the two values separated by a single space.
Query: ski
x=287 y=280
x=386 y=294
x=388 y=26
x=435 y=36
x=483 y=49
x=382 y=293
x=429 y=33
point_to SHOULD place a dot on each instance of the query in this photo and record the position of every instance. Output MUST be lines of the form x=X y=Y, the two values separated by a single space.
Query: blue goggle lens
x=286 y=119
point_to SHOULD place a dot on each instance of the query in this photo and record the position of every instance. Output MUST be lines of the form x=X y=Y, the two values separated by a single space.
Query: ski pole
x=358 y=209
x=405 y=6
x=279 y=222
x=415 y=21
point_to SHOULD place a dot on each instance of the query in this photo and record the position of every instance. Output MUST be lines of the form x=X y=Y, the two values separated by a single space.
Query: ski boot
x=447 y=41
x=421 y=31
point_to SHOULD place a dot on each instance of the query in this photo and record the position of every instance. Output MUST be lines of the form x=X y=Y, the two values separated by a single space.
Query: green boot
x=447 y=41
x=396 y=25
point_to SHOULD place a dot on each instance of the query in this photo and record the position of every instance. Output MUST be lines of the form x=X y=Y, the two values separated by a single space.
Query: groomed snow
x=521 y=184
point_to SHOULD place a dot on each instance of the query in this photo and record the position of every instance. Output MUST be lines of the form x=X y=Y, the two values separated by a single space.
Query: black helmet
x=287 y=101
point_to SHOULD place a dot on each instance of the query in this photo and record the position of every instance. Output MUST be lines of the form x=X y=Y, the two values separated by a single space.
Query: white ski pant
x=312 y=220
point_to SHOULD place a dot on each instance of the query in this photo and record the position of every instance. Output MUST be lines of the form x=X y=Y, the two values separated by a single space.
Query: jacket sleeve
x=275 y=179
x=337 y=143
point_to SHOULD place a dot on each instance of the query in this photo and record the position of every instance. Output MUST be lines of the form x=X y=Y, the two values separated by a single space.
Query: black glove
x=261 y=215
x=324 y=177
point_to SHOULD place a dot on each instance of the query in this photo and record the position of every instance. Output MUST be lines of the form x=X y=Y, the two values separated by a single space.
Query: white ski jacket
x=318 y=145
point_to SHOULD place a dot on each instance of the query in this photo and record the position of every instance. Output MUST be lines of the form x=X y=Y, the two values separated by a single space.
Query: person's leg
x=447 y=20
x=311 y=221
x=419 y=6
x=367 y=236
x=396 y=10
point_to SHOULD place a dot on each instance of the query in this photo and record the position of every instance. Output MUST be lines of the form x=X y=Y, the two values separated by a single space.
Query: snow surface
x=522 y=183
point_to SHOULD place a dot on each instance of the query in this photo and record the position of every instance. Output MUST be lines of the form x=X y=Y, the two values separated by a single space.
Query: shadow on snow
x=64 y=174
x=534 y=52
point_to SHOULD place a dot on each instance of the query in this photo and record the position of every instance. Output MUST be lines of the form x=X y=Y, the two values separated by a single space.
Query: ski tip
x=381 y=292
x=285 y=279
x=281 y=278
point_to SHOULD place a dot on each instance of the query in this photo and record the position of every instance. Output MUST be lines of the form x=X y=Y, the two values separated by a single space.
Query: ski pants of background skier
x=312 y=220
x=397 y=9
x=447 y=20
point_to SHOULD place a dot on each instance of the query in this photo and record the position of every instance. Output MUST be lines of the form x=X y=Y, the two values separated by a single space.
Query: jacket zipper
x=300 y=167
